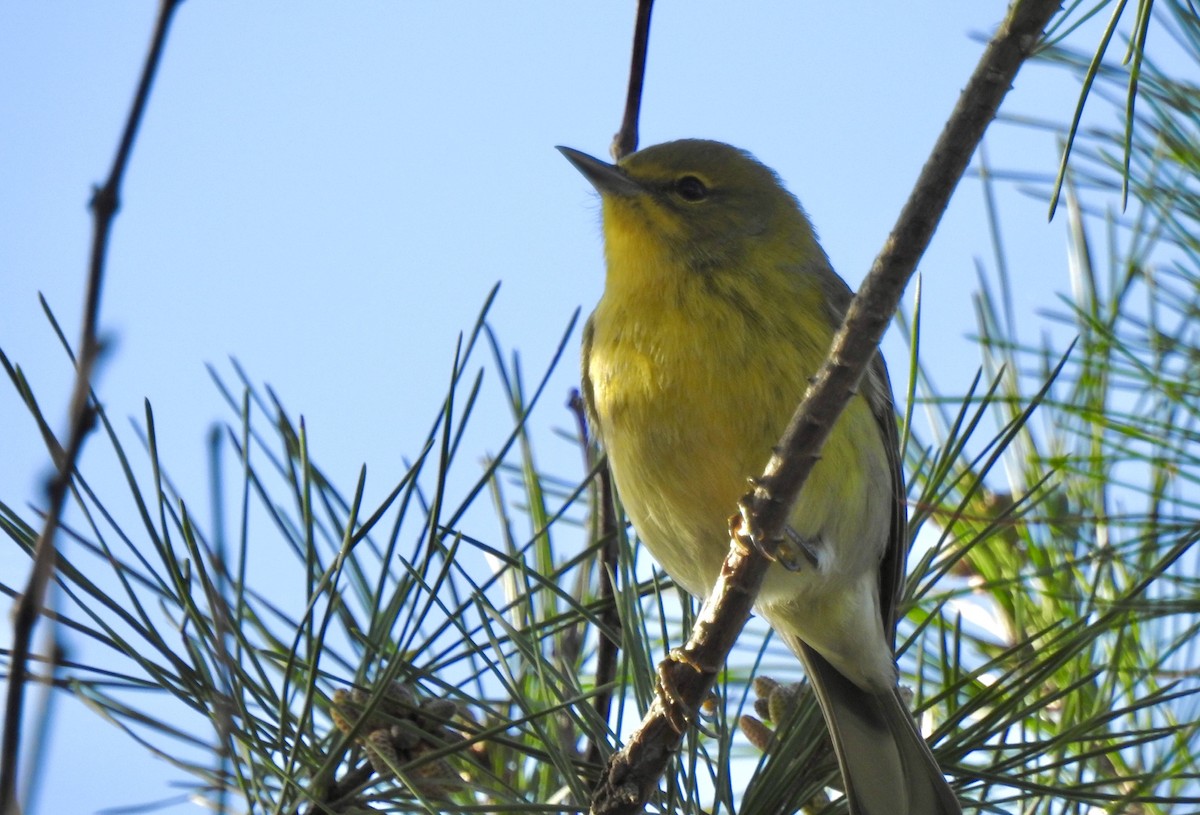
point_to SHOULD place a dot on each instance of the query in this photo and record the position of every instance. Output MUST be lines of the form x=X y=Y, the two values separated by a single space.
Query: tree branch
x=626 y=139
x=633 y=773
x=81 y=418
x=607 y=648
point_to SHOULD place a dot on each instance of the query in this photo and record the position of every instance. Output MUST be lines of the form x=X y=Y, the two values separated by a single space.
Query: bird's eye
x=691 y=188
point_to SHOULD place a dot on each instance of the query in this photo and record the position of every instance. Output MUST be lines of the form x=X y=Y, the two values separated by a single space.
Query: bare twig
x=608 y=648
x=81 y=417
x=634 y=772
x=37 y=747
x=626 y=139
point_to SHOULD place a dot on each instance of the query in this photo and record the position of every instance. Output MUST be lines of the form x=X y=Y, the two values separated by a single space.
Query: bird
x=719 y=306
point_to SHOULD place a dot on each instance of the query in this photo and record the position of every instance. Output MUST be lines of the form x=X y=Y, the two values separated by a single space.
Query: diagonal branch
x=634 y=773
x=81 y=417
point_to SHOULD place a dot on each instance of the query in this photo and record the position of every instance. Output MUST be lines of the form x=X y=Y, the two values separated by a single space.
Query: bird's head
x=696 y=207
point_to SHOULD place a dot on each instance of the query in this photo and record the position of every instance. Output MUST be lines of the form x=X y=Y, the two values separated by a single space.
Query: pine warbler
x=719 y=305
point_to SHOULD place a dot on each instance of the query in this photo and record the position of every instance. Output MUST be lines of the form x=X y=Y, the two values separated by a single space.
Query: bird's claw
x=794 y=551
x=679 y=714
x=790 y=550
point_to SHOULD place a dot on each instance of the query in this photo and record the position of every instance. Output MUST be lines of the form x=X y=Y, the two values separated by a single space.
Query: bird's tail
x=887 y=767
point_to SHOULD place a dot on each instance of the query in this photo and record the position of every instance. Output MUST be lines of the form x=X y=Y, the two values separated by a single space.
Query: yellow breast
x=691 y=391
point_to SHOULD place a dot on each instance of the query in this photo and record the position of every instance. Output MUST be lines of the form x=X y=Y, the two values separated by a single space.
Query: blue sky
x=328 y=191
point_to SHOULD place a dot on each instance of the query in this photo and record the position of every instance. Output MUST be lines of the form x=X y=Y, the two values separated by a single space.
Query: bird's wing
x=585 y=382
x=877 y=390
x=878 y=393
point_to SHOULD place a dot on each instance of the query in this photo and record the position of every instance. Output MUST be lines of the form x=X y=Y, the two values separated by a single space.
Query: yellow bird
x=719 y=305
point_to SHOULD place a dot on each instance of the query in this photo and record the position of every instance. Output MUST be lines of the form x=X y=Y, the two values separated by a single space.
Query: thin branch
x=39 y=742
x=626 y=139
x=634 y=773
x=104 y=204
x=608 y=648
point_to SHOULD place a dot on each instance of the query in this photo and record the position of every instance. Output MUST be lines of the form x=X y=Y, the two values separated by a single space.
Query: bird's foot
x=797 y=548
x=790 y=550
x=678 y=712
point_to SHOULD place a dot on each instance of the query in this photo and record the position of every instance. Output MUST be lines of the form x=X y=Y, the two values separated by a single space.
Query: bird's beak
x=608 y=179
